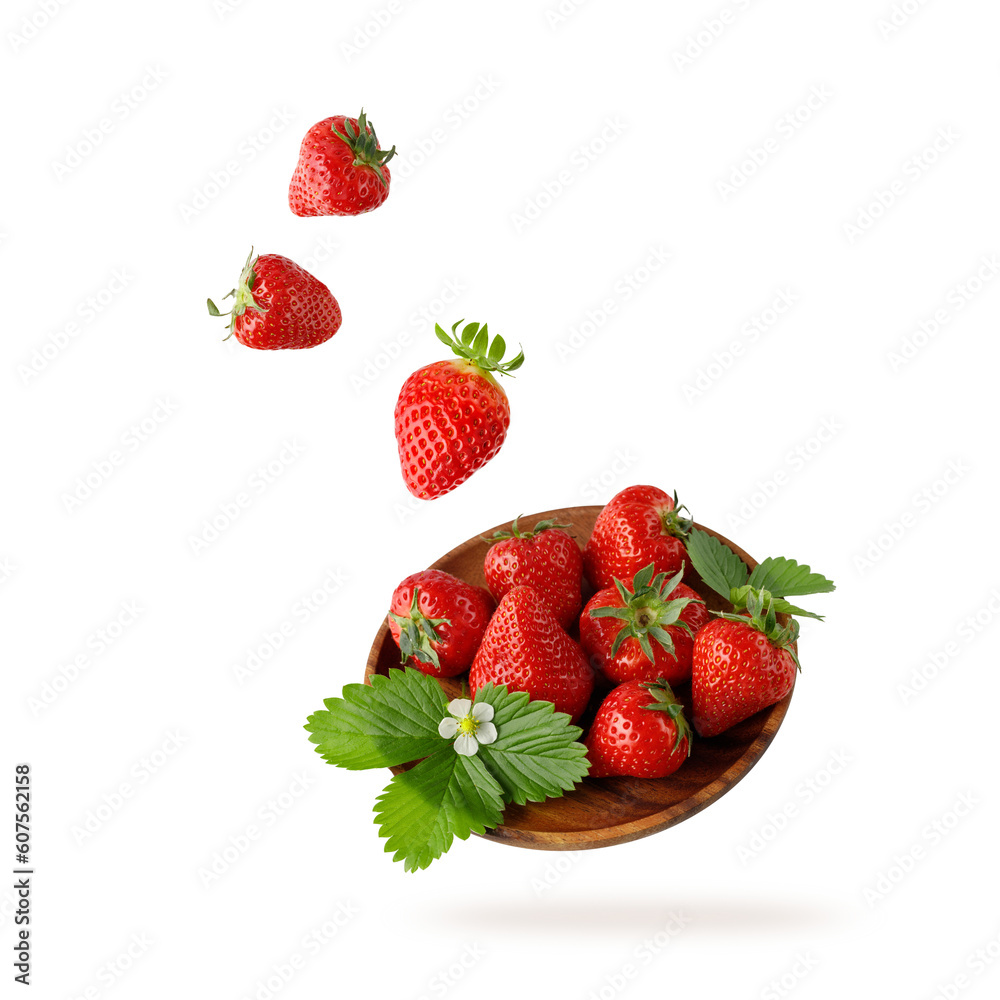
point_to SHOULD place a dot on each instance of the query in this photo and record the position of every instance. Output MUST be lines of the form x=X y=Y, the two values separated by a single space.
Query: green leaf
x=422 y=810
x=497 y=348
x=784 y=607
x=717 y=564
x=391 y=721
x=443 y=336
x=786 y=578
x=536 y=754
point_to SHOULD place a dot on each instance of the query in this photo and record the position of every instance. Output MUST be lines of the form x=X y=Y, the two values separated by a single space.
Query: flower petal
x=447 y=727
x=486 y=733
x=466 y=745
x=459 y=707
x=482 y=711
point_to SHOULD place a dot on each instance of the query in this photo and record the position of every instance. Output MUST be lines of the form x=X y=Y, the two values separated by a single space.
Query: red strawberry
x=452 y=416
x=547 y=559
x=527 y=649
x=341 y=169
x=644 y=633
x=640 y=731
x=639 y=526
x=438 y=621
x=741 y=664
x=280 y=305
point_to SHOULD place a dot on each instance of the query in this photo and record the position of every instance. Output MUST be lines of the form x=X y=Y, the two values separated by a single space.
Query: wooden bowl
x=604 y=811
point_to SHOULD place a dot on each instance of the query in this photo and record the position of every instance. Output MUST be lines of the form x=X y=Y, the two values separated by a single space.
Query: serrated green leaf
x=536 y=754
x=391 y=721
x=422 y=810
x=717 y=564
x=786 y=578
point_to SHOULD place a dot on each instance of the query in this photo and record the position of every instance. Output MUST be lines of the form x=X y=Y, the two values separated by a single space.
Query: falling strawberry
x=742 y=664
x=438 y=621
x=452 y=416
x=639 y=730
x=279 y=305
x=341 y=170
x=546 y=559
x=646 y=632
x=527 y=649
x=638 y=526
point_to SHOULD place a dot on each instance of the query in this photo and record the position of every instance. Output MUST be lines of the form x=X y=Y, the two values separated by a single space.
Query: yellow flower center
x=468 y=725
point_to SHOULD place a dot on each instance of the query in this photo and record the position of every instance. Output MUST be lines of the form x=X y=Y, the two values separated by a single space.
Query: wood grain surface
x=605 y=811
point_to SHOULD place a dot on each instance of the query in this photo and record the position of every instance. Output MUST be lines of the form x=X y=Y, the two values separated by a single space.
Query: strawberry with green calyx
x=639 y=731
x=341 y=170
x=438 y=621
x=646 y=632
x=638 y=526
x=279 y=305
x=452 y=416
x=545 y=558
x=742 y=663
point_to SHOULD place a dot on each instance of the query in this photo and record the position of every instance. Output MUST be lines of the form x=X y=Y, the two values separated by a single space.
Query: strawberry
x=638 y=526
x=639 y=730
x=438 y=621
x=279 y=305
x=341 y=169
x=546 y=558
x=527 y=649
x=644 y=633
x=452 y=416
x=742 y=663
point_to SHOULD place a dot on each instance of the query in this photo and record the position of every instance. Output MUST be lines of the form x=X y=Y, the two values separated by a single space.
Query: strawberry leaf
x=394 y=720
x=422 y=810
x=786 y=578
x=536 y=754
x=717 y=564
x=391 y=721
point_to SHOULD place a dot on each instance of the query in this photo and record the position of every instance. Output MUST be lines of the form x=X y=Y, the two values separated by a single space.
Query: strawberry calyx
x=417 y=632
x=363 y=143
x=761 y=614
x=674 y=522
x=242 y=296
x=666 y=701
x=739 y=596
x=648 y=611
x=516 y=532
x=474 y=344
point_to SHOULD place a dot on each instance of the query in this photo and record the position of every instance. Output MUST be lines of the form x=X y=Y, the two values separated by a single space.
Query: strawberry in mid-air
x=545 y=558
x=639 y=730
x=279 y=305
x=644 y=633
x=742 y=663
x=527 y=649
x=438 y=621
x=639 y=526
x=341 y=169
x=452 y=416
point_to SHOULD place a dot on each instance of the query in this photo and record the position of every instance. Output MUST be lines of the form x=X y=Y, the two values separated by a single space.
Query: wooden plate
x=605 y=811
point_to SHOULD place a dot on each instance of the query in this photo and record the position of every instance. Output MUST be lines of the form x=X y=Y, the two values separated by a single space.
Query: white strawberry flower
x=468 y=724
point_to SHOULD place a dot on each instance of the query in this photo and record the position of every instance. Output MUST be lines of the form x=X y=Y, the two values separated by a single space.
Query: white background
x=544 y=159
